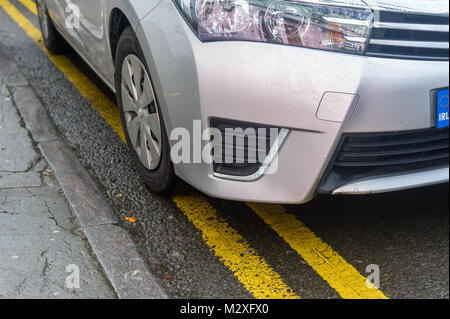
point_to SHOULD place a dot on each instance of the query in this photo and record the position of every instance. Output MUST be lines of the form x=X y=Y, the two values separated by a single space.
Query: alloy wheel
x=143 y=123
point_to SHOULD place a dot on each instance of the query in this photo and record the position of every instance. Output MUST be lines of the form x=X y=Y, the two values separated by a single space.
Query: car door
x=93 y=32
x=84 y=22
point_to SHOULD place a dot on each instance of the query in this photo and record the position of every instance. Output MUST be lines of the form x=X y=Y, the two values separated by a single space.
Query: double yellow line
x=251 y=269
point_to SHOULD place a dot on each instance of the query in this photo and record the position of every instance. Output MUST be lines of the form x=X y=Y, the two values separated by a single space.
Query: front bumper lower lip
x=396 y=182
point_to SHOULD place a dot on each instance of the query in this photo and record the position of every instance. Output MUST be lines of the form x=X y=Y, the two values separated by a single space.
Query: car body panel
x=282 y=87
x=91 y=40
x=440 y=7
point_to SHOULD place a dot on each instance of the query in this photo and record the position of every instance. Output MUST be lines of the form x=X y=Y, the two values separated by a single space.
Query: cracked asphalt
x=405 y=233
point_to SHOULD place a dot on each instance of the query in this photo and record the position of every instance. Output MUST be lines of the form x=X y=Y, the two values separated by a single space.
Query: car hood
x=440 y=7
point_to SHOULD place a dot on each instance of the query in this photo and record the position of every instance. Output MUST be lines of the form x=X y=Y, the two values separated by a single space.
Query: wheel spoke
x=147 y=96
x=155 y=127
x=144 y=151
x=129 y=104
x=155 y=149
x=133 y=130
x=138 y=76
x=127 y=74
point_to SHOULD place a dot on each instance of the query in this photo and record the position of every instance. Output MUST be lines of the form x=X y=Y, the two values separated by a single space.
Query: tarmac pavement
x=41 y=243
x=58 y=235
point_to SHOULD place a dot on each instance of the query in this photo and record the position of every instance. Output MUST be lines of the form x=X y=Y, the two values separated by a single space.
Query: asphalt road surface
x=200 y=247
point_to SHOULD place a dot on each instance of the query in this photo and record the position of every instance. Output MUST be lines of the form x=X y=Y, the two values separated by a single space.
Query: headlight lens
x=290 y=22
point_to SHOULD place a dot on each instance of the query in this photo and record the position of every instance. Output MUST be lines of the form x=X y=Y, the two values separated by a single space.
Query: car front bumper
x=284 y=86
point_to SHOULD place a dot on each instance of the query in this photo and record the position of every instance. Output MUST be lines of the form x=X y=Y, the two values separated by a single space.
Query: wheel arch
x=124 y=13
x=118 y=22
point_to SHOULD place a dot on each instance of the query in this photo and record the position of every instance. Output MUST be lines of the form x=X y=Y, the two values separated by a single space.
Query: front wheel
x=53 y=41
x=141 y=117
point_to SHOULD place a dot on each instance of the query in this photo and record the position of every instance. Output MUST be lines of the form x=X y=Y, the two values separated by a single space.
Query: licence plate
x=442 y=108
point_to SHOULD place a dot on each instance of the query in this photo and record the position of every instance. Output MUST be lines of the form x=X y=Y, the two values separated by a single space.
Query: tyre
x=54 y=42
x=142 y=121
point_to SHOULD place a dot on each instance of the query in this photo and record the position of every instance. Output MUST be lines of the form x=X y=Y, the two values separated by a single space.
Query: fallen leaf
x=131 y=219
x=167 y=277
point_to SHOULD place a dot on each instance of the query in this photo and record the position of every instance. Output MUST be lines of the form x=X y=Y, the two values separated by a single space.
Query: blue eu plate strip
x=442 y=108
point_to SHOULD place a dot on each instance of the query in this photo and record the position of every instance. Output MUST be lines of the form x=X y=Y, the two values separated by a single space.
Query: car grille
x=410 y=36
x=375 y=154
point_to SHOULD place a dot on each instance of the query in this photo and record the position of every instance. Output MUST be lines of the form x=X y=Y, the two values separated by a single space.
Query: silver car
x=271 y=100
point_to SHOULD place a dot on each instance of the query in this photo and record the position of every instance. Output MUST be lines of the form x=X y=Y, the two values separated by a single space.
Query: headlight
x=289 y=22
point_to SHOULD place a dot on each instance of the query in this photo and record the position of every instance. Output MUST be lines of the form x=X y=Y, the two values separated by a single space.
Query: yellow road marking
x=30 y=5
x=339 y=274
x=250 y=269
